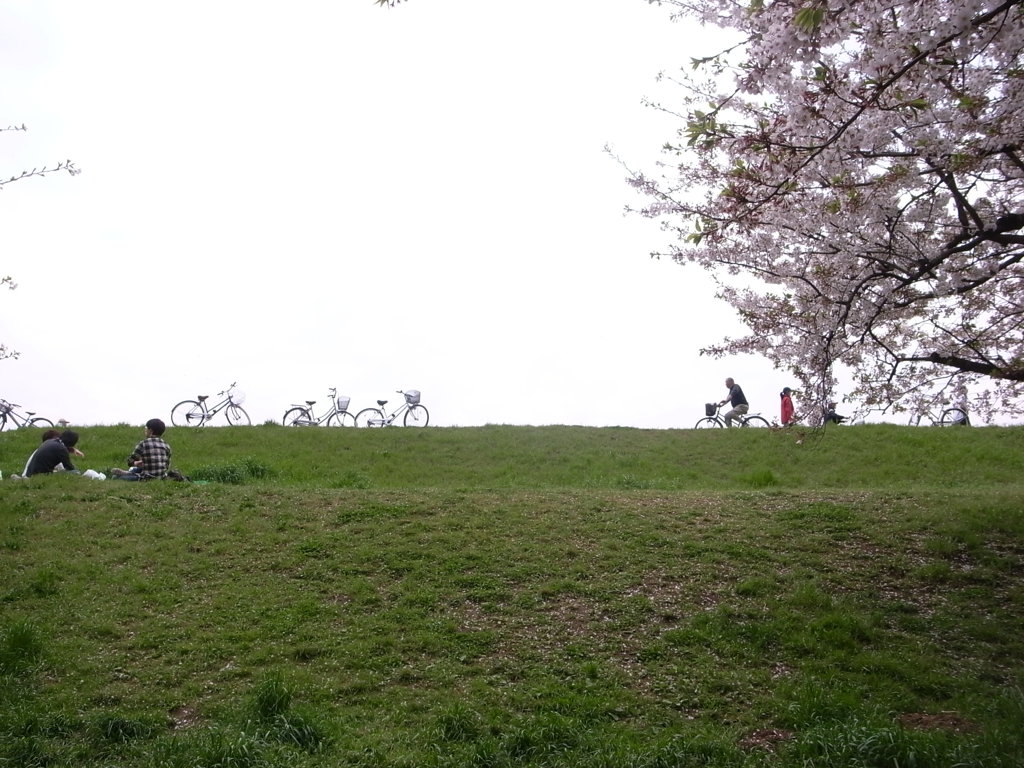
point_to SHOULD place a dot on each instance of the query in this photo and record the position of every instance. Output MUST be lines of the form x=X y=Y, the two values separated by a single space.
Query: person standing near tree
x=738 y=400
x=787 y=414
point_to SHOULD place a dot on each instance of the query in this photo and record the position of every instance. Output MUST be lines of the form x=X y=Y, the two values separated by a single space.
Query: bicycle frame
x=308 y=418
x=198 y=412
x=28 y=419
x=389 y=420
x=213 y=410
x=7 y=412
x=415 y=413
x=947 y=415
x=743 y=420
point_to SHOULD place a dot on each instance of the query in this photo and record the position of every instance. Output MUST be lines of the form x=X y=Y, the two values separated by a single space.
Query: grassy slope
x=519 y=596
x=875 y=457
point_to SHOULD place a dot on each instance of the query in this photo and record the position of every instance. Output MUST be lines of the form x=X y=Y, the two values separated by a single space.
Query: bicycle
x=195 y=413
x=950 y=417
x=27 y=419
x=712 y=419
x=302 y=415
x=416 y=415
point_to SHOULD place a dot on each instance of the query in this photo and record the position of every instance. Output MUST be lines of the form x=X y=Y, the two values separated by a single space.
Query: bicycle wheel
x=954 y=417
x=417 y=416
x=237 y=416
x=3 y=423
x=39 y=421
x=370 y=417
x=188 y=413
x=707 y=423
x=295 y=417
x=342 y=419
x=754 y=421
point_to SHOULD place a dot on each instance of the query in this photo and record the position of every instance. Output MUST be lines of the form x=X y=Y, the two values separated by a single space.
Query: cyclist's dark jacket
x=47 y=456
x=736 y=396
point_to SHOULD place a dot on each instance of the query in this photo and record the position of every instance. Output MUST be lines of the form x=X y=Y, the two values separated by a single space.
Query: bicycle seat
x=311 y=402
x=202 y=397
x=382 y=403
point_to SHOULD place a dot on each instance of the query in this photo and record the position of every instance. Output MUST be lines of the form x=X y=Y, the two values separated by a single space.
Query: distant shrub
x=236 y=473
x=352 y=479
x=762 y=478
x=256 y=468
x=632 y=482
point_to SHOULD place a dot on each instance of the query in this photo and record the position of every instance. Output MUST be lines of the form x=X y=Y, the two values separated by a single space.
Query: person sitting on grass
x=831 y=417
x=151 y=457
x=49 y=434
x=54 y=455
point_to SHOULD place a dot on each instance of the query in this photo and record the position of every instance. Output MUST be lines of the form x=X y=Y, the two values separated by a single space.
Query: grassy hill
x=517 y=596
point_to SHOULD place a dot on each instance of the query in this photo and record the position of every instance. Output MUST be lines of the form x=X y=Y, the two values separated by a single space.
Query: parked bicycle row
x=412 y=411
x=199 y=412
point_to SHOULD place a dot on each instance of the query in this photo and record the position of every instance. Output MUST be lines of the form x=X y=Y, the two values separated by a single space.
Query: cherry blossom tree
x=851 y=173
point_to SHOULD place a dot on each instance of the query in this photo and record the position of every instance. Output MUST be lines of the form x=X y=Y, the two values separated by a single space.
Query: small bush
x=20 y=648
x=237 y=473
x=298 y=730
x=272 y=705
x=458 y=723
x=120 y=729
x=632 y=482
x=271 y=698
x=352 y=479
x=220 y=749
x=762 y=478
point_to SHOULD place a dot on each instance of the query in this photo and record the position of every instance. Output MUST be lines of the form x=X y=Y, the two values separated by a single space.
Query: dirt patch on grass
x=184 y=717
x=765 y=738
x=938 y=721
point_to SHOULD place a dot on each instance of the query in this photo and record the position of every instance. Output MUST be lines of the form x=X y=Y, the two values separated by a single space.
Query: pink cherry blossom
x=852 y=173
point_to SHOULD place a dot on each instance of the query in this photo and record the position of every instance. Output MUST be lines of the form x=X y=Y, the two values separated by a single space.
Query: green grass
x=513 y=596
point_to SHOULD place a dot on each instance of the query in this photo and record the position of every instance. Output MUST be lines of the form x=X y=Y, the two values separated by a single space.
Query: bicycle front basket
x=237 y=397
x=412 y=397
x=342 y=403
x=710 y=409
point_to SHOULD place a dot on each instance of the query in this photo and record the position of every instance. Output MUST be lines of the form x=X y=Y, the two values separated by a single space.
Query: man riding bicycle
x=738 y=401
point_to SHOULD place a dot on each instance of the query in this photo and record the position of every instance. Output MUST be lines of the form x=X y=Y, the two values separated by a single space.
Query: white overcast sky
x=327 y=193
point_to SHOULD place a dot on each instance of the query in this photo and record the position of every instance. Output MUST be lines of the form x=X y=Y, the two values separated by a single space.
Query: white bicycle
x=416 y=415
x=337 y=416
x=195 y=413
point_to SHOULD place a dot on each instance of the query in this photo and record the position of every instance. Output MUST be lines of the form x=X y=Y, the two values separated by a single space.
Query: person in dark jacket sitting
x=53 y=453
x=831 y=417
